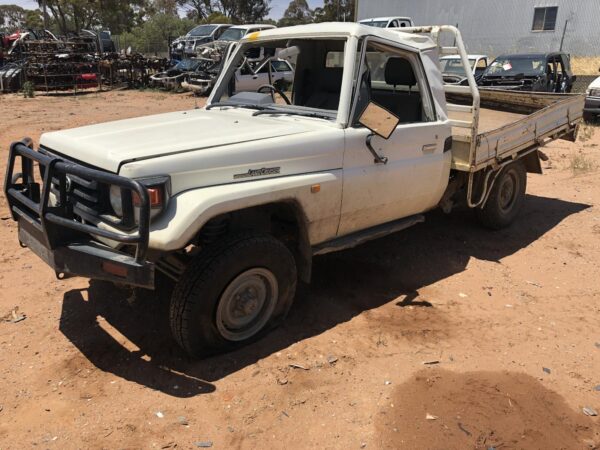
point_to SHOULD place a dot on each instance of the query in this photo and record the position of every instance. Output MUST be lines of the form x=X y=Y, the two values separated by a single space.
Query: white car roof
x=381 y=19
x=468 y=56
x=343 y=30
x=595 y=84
x=254 y=25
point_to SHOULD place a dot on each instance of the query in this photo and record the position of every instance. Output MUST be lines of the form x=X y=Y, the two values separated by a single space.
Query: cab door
x=416 y=173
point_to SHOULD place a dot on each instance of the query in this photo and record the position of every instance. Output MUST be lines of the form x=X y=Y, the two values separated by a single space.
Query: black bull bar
x=57 y=233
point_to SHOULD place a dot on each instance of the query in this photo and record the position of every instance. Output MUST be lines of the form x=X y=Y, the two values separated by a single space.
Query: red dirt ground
x=491 y=309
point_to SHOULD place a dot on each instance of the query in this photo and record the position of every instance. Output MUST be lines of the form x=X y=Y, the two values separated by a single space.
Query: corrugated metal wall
x=502 y=26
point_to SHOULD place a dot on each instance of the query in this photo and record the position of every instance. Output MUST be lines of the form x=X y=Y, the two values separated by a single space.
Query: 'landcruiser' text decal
x=258 y=172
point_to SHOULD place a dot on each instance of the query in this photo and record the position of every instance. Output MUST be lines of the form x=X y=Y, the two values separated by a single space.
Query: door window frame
x=417 y=63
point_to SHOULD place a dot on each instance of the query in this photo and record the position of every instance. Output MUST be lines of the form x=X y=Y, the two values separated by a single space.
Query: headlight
x=116 y=200
x=158 y=195
x=593 y=92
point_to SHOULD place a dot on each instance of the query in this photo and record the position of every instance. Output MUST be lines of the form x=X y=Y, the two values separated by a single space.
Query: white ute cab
x=229 y=204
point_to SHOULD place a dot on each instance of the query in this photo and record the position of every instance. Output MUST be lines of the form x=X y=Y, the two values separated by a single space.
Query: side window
x=394 y=24
x=481 y=64
x=245 y=69
x=404 y=23
x=334 y=60
x=264 y=69
x=397 y=83
x=280 y=66
x=544 y=18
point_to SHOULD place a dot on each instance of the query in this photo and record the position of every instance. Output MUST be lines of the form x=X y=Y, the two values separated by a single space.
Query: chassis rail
x=58 y=234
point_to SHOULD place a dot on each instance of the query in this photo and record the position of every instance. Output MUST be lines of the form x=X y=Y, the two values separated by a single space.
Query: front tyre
x=506 y=199
x=232 y=293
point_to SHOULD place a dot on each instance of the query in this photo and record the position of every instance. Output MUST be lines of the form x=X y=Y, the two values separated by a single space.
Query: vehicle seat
x=406 y=105
x=328 y=89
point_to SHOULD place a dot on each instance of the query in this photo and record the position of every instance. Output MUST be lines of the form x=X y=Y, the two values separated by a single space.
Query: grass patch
x=581 y=163
x=586 y=132
x=585 y=65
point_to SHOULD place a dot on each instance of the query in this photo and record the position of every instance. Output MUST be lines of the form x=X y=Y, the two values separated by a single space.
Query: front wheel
x=232 y=293
x=506 y=199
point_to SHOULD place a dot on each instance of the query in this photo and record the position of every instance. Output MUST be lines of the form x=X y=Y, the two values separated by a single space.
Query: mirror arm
x=378 y=159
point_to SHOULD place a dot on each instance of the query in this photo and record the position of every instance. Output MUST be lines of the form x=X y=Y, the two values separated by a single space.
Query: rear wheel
x=506 y=199
x=232 y=293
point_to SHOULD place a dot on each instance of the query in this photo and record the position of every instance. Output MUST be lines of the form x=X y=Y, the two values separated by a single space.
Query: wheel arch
x=311 y=201
x=284 y=219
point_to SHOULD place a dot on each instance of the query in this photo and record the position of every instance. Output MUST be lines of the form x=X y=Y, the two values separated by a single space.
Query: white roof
x=254 y=25
x=344 y=30
x=381 y=19
x=468 y=56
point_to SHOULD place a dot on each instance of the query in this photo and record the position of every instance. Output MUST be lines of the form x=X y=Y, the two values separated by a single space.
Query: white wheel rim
x=247 y=304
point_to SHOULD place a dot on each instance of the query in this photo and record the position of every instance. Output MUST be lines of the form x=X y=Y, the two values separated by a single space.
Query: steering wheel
x=273 y=89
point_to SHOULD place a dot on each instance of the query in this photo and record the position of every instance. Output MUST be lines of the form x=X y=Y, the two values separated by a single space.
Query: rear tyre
x=506 y=199
x=232 y=293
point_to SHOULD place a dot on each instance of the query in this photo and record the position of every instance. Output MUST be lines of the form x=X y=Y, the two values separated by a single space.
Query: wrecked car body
x=185 y=46
x=453 y=70
x=172 y=78
x=249 y=77
x=537 y=72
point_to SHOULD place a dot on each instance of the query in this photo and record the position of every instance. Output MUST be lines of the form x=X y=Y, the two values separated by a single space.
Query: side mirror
x=379 y=120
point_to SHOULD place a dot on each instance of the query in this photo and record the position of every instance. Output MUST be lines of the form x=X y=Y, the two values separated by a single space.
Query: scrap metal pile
x=197 y=74
x=78 y=61
x=130 y=69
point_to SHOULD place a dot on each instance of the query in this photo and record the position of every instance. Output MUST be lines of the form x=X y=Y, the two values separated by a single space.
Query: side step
x=360 y=237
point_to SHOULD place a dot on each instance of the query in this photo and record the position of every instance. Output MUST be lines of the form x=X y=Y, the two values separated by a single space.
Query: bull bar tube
x=59 y=236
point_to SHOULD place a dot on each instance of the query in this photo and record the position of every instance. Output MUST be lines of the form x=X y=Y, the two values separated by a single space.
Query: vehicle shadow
x=99 y=320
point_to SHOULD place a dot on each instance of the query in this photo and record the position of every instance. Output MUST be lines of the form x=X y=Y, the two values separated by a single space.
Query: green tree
x=216 y=17
x=239 y=11
x=11 y=17
x=75 y=15
x=335 y=11
x=154 y=34
x=198 y=10
x=34 y=19
x=249 y=11
x=297 y=13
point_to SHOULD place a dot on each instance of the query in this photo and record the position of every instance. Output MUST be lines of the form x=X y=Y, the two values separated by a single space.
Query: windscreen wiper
x=237 y=105
x=272 y=111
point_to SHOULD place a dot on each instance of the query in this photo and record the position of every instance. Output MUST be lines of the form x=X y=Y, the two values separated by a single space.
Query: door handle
x=429 y=148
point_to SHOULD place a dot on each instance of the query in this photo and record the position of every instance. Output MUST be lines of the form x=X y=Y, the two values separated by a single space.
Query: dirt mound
x=437 y=409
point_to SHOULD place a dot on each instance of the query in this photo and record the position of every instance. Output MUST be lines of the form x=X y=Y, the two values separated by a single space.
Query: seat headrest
x=399 y=72
x=332 y=79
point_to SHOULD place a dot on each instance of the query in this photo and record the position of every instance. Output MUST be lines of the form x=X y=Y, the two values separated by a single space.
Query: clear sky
x=277 y=6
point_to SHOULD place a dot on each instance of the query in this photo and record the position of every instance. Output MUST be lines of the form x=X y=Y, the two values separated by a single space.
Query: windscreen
x=202 y=30
x=507 y=66
x=376 y=23
x=187 y=65
x=455 y=66
x=301 y=71
x=233 y=34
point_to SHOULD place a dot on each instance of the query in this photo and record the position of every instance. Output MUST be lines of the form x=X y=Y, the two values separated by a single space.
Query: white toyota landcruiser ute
x=230 y=203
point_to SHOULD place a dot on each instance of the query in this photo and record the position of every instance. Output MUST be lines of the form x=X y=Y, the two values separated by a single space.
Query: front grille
x=89 y=199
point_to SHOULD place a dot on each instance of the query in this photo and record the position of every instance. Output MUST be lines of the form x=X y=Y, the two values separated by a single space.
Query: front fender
x=190 y=210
